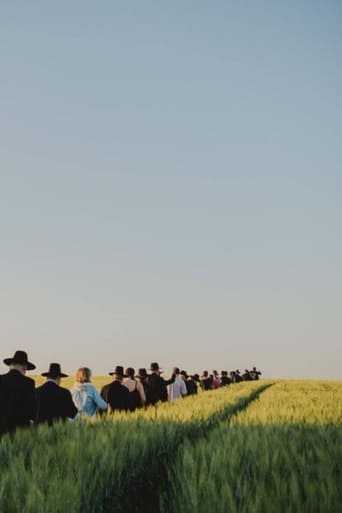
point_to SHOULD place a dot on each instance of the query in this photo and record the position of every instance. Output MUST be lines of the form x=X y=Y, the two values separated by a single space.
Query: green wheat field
x=255 y=447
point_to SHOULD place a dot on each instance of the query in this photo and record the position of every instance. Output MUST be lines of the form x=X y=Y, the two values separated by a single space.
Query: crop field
x=259 y=446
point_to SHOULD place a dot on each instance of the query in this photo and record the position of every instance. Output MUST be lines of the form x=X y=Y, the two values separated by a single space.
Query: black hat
x=118 y=371
x=54 y=372
x=20 y=357
x=142 y=373
x=155 y=367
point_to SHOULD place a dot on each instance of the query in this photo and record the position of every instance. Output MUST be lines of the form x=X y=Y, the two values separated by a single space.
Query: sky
x=170 y=185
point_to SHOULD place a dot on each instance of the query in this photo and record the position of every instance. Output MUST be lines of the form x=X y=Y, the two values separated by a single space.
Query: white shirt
x=176 y=389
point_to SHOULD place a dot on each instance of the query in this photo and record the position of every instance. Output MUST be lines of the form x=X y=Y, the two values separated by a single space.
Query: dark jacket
x=54 y=403
x=147 y=390
x=191 y=386
x=17 y=401
x=158 y=390
x=117 y=396
x=225 y=381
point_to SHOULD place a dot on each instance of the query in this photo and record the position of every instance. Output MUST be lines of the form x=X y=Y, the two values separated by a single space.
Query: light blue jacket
x=87 y=399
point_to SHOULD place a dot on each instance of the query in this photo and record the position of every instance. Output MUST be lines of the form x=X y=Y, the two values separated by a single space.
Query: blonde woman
x=84 y=394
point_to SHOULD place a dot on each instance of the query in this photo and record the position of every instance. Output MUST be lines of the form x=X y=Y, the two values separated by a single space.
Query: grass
x=281 y=454
x=109 y=464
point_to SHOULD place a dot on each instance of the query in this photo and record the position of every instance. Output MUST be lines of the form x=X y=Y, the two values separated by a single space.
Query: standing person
x=135 y=388
x=142 y=377
x=205 y=381
x=17 y=394
x=53 y=401
x=224 y=378
x=115 y=394
x=158 y=385
x=190 y=383
x=238 y=377
x=215 y=382
x=177 y=389
x=246 y=376
x=85 y=396
x=255 y=373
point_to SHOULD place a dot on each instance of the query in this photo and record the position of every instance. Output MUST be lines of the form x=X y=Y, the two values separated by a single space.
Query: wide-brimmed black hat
x=54 y=372
x=155 y=367
x=118 y=371
x=142 y=373
x=21 y=358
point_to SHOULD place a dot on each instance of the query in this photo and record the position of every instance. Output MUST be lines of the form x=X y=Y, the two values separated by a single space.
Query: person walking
x=158 y=385
x=205 y=381
x=135 y=388
x=177 y=389
x=17 y=394
x=190 y=383
x=85 y=396
x=115 y=393
x=53 y=401
x=142 y=378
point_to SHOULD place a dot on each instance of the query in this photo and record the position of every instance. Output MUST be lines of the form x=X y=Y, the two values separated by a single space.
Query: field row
x=283 y=453
x=110 y=464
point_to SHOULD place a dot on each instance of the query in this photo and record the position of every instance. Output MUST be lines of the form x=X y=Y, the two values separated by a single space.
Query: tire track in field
x=145 y=495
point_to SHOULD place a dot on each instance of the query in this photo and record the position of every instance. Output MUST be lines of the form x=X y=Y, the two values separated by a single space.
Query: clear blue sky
x=171 y=184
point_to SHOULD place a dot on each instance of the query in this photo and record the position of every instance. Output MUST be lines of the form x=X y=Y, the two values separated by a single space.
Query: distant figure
x=142 y=377
x=224 y=379
x=135 y=388
x=215 y=381
x=85 y=396
x=205 y=381
x=53 y=401
x=246 y=376
x=115 y=393
x=255 y=373
x=177 y=389
x=158 y=385
x=238 y=377
x=17 y=395
x=190 y=383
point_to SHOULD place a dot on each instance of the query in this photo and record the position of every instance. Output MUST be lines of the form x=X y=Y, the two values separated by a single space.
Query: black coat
x=17 y=401
x=117 y=396
x=191 y=387
x=54 y=403
x=158 y=390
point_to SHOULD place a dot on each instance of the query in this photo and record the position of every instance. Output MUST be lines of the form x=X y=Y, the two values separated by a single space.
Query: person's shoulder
x=64 y=391
x=31 y=382
x=106 y=387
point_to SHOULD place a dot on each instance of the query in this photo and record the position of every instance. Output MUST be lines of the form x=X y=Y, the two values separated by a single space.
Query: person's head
x=205 y=374
x=175 y=370
x=83 y=375
x=184 y=375
x=19 y=362
x=19 y=367
x=142 y=374
x=154 y=368
x=130 y=372
x=54 y=373
x=118 y=373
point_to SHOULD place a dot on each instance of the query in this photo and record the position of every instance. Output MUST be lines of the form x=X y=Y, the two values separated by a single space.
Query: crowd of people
x=22 y=404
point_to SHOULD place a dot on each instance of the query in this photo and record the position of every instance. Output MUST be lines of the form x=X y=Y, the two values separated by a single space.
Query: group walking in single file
x=22 y=404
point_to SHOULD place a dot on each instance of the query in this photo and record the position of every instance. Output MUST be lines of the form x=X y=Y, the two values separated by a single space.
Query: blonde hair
x=83 y=375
